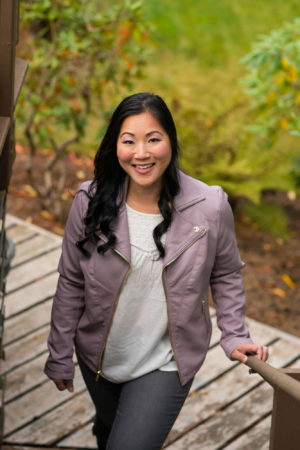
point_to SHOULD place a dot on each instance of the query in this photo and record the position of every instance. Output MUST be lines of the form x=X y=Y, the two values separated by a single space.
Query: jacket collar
x=182 y=232
x=189 y=193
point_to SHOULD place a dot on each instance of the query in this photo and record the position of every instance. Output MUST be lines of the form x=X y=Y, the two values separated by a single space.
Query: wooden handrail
x=275 y=377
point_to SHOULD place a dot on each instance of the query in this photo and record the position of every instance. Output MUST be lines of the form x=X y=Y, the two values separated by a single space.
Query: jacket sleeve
x=68 y=302
x=226 y=281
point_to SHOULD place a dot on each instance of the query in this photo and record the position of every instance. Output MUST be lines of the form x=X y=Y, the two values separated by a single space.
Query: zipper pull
x=203 y=306
x=98 y=374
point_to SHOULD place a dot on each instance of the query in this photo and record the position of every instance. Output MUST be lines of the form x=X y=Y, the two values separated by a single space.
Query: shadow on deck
x=226 y=409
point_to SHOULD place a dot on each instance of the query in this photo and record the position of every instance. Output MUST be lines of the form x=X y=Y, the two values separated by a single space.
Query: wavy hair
x=106 y=191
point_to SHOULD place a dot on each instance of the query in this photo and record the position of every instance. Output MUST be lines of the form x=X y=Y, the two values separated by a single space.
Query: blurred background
x=229 y=71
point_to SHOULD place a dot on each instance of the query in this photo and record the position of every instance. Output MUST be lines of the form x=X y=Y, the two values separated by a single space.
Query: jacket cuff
x=233 y=343
x=59 y=375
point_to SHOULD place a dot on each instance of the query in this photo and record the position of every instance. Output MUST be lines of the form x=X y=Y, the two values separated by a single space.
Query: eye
x=154 y=139
x=128 y=142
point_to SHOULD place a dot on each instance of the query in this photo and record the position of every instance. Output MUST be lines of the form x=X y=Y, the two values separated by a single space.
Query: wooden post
x=12 y=74
x=285 y=428
x=8 y=39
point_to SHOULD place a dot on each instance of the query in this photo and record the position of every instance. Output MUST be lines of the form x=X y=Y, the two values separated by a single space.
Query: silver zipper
x=170 y=262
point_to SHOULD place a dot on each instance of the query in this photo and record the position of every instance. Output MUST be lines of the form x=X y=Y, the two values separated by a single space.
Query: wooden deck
x=226 y=409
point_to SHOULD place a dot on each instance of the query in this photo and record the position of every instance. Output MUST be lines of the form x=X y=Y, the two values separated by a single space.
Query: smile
x=144 y=166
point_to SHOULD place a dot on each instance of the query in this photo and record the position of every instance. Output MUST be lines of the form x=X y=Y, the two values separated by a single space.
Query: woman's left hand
x=240 y=352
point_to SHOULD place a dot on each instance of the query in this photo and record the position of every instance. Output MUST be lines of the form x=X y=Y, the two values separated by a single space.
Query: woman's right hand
x=64 y=384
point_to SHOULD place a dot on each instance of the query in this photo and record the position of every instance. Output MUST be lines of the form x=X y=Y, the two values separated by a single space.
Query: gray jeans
x=137 y=414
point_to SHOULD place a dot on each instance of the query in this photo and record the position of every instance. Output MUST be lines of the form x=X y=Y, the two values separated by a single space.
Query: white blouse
x=138 y=342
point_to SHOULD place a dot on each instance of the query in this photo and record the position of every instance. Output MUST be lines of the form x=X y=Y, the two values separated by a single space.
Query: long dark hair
x=107 y=188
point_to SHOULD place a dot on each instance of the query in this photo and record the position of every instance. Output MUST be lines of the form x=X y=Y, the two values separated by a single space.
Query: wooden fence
x=12 y=73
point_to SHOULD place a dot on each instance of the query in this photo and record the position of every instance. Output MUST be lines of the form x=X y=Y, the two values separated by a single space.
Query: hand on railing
x=242 y=351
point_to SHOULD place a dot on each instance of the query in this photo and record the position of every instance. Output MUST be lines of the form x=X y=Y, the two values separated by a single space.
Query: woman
x=143 y=244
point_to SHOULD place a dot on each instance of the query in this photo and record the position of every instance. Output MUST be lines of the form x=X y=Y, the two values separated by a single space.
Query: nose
x=141 y=151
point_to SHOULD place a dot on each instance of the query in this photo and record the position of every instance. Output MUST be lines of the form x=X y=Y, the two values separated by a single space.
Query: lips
x=143 y=166
x=143 y=169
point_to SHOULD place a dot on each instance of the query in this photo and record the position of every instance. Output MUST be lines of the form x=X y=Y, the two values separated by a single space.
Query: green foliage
x=269 y=217
x=219 y=153
x=215 y=32
x=273 y=85
x=273 y=82
x=76 y=52
x=199 y=76
x=80 y=53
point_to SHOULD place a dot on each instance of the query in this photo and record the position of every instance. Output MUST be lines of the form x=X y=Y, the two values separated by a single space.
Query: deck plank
x=232 y=421
x=56 y=425
x=27 y=322
x=25 y=377
x=33 y=247
x=256 y=438
x=35 y=292
x=232 y=385
x=19 y=352
x=33 y=270
x=82 y=438
x=19 y=233
x=36 y=403
x=214 y=433
x=21 y=447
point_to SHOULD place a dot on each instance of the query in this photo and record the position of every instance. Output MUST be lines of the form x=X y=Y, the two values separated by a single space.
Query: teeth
x=146 y=166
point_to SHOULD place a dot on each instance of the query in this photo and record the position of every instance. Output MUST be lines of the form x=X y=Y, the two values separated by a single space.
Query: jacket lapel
x=181 y=235
x=122 y=232
x=183 y=231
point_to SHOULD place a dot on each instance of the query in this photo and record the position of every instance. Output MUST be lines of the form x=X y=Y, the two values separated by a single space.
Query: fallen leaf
x=287 y=279
x=29 y=190
x=80 y=174
x=267 y=247
x=58 y=230
x=65 y=196
x=47 y=215
x=20 y=149
x=280 y=292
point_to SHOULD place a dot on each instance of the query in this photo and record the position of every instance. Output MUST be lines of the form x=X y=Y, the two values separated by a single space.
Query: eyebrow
x=147 y=135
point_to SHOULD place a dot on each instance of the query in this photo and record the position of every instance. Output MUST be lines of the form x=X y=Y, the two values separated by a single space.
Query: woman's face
x=144 y=150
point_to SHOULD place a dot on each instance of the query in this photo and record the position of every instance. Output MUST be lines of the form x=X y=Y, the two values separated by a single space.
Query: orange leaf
x=287 y=279
x=280 y=292
x=58 y=230
x=29 y=190
x=47 y=215
x=20 y=149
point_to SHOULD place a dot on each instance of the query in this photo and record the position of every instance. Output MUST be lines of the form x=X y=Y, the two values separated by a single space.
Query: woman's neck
x=143 y=200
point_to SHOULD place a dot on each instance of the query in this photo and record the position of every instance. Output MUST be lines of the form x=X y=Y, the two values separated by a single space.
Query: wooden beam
x=21 y=67
x=4 y=129
x=7 y=55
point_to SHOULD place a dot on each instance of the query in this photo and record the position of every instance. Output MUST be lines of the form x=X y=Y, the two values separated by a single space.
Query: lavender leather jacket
x=201 y=252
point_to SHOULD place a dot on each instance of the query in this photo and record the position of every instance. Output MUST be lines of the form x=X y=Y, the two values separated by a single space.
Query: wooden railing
x=12 y=73
x=285 y=429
